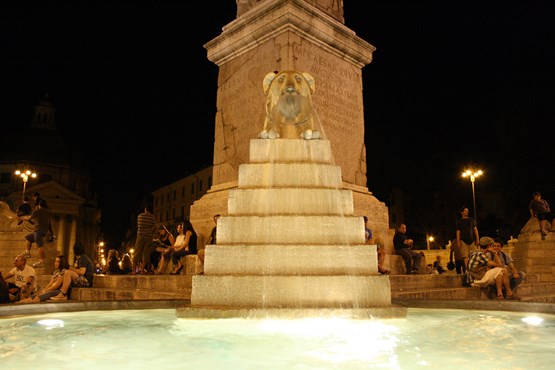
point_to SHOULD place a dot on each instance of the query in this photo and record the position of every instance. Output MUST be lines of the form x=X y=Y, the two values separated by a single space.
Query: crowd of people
x=481 y=259
x=24 y=287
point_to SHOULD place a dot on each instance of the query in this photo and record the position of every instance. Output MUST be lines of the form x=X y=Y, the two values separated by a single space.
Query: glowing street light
x=25 y=174
x=473 y=174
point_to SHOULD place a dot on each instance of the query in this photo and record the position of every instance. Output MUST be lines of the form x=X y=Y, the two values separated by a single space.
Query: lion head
x=289 y=112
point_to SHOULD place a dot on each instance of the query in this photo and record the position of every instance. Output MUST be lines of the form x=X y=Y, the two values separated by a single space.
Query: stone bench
x=192 y=265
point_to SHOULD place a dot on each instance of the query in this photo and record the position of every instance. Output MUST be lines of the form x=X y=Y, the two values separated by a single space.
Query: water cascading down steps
x=290 y=245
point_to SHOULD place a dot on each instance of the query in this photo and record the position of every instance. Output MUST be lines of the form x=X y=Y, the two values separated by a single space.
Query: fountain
x=466 y=339
x=290 y=245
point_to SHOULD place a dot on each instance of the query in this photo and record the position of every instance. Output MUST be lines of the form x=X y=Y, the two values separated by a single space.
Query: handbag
x=479 y=272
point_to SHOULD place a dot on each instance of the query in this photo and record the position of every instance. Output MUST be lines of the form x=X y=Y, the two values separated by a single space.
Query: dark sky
x=452 y=83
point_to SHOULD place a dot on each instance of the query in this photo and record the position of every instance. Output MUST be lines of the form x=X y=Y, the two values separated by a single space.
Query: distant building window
x=182 y=211
x=200 y=185
x=192 y=188
x=182 y=191
x=5 y=177
x=174 y=194
x=173 y=213
x=45 y=178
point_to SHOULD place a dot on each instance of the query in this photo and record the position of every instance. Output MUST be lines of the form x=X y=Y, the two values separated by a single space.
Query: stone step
x=271 y=259
x=540 y=298
x=287 y=151
x=437 y=293
x=427 y=281
x=403 y=287
x=111 y=294
x=277 y=230
x=295 y=201
x=294 y=175
x=143 y=282
x=527 y=289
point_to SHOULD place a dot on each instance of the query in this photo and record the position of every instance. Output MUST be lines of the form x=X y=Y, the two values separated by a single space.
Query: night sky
x=452 y=83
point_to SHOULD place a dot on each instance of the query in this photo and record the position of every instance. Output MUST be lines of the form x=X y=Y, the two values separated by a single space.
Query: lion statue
x=289 y=112
x=8 y=219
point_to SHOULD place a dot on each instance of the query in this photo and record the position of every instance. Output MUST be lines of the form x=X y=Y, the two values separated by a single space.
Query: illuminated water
x=156 y=339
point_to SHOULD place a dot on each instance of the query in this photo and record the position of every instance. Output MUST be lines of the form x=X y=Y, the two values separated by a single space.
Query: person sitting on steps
x=24 y=211
x=164 y=249
x=79 y=275
x=369 y=237
x=53 y=287
x=403 y=247
x=185 y=243
x=483 y=271
x=540 y=209
x=211 y=240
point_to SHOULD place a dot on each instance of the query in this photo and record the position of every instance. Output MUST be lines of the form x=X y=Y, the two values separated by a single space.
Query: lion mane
x=289 y=112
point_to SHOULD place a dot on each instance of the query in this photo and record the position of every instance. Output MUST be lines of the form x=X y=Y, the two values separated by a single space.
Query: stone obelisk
x=277 y=35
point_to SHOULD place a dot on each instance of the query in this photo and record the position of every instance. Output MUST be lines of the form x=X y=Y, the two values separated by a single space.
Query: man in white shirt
x=25 y=279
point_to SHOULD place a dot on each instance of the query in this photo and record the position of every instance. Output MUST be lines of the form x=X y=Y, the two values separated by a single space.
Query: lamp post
x=25 y=174
x=429 y=240
x=473 y=174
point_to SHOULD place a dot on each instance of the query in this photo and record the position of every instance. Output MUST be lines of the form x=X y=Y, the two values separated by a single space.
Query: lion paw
x=310 y=135
x=268 y=134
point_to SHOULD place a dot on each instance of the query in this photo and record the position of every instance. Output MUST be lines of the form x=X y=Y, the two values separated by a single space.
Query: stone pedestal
x=535 y=255
x=277 y=35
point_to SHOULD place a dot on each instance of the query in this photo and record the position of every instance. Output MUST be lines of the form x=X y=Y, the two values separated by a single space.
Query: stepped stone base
x=290 y=242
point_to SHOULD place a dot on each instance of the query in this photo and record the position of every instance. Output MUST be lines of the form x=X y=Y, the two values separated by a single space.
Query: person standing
x=456 y=257
x=403 y=247
x=540 y=209
x=467 y=235
x=40 y=200
x=146 y=229
x=41 y=218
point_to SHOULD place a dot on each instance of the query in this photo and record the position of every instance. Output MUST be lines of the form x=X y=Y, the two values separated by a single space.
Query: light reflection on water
x=156 y=339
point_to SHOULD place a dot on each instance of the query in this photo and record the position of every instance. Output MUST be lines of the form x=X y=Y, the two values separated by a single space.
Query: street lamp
x=429 y=240
x=25 y=174
x=473 y=174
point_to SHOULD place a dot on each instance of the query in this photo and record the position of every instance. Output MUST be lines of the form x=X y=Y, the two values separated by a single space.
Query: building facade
x=63 y=179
